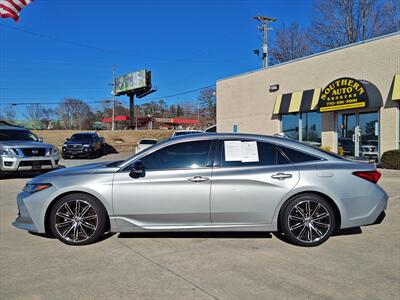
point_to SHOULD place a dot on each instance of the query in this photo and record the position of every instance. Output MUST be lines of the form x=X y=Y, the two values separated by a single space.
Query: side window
x=189 y=155
x=268 y=155
x=297 y=156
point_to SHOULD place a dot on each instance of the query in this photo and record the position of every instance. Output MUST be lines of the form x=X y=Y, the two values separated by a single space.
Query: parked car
x=184 y=132
x=207 y=182
x=144 y=144
x=84 y=144
x=21 y=150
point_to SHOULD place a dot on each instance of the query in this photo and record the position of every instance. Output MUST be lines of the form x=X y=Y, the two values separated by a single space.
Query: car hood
x=81 y=142
x=94 y=168
x=17 y=144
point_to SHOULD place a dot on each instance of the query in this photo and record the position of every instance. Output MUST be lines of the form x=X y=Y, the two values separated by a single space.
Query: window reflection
x=290 y=126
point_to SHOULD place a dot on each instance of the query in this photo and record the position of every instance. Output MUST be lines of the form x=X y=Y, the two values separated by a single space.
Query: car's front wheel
x=78 y=219
x=308 y=220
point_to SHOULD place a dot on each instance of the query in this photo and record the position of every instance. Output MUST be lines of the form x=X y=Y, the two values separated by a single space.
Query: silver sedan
x=207 y=182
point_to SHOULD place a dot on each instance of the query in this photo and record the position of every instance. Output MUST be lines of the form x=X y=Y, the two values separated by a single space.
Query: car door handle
x=281 y=176
x=198 y=179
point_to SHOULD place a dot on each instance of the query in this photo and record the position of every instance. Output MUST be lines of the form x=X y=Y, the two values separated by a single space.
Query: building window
x=310 y=124
x=311 y=127
x=290 y=125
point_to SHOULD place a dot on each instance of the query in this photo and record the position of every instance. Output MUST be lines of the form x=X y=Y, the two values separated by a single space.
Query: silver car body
x=27 y=155
x=234 y=198
x=144 y=144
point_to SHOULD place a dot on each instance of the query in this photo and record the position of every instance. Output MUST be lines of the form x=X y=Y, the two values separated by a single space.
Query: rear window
x=148 y=142
x=186 y=132
x=298 y=156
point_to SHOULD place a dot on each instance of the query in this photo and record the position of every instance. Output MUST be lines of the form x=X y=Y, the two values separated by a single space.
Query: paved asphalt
x=357 y=264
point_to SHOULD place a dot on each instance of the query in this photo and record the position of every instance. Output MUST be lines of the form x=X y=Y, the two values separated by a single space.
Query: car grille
x=35 y=162
x=34 y=151
x=74 y=147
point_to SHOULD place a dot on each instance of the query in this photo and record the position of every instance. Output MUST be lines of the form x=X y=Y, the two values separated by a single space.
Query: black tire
x=92 y=153
x=308 y=220
x=79 y=229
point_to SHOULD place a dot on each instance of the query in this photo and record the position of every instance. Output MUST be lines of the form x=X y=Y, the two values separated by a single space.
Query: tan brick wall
x=245 y=100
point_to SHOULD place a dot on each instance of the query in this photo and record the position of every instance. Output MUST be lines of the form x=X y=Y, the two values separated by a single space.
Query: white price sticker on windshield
x=233 y=150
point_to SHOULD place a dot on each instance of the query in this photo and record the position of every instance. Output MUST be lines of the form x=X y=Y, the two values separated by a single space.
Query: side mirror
x=40 y=139
x=137 y=170
x=67 y=139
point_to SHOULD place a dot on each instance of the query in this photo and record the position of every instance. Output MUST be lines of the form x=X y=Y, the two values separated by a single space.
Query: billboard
x=132 y=81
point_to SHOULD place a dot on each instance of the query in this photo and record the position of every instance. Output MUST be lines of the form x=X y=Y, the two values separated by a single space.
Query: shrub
x=391 y=159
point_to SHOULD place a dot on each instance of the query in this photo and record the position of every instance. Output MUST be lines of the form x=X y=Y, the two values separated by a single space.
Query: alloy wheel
x=76 y=220
x=309 y=221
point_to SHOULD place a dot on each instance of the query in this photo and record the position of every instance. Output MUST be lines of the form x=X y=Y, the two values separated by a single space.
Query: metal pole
x=131 y=111
x=113 y=102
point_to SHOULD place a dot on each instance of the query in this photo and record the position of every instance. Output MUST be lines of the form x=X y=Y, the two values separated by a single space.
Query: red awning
x=184 y=121
x=116 y=118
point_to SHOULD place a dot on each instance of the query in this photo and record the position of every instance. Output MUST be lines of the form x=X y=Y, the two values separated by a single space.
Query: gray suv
x=21 y=150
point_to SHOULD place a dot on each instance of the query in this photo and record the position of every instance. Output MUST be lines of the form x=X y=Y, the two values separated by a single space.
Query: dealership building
x=346 y=97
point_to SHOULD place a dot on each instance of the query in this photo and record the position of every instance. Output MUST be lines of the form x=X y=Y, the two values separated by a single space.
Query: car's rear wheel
x=308 y=220
x=78 y=219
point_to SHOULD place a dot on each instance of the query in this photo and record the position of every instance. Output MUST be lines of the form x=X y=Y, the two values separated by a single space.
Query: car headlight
x=65 y=145
x=36 y=187
x=86 y=145
x=6 y=152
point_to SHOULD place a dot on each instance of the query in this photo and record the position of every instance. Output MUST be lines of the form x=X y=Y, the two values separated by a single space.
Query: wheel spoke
x=308 y=209
x=83 y=231
x=300 y=211
x=296 y=226
x=316 y=230
x=85 y=210
x=64 y=223
x=321 y=216
x=90 y=217
x=316 y=209
x=301 y=232
x=68 y=230
x=320 y=224
x=77 y=207
x=69 y=209
x=309 y=233
x=88 y=225
x=62 y=215
x=296 y=218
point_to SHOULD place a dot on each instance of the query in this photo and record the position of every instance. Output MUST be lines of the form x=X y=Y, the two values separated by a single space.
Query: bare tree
x=207 y=101
x=341 y=22
x=7 y=113
x=289 y=43
x=73 y=113
x=34 y=113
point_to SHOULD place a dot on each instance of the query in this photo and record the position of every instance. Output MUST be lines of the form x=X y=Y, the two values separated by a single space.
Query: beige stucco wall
x=245 y=100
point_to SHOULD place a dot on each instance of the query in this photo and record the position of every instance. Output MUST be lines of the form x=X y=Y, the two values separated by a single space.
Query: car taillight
x=372 y=176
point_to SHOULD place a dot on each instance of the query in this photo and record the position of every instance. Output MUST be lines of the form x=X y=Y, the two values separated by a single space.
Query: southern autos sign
x=343 y=93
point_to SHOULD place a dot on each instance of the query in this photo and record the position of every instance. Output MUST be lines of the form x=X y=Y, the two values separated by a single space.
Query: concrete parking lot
x=356 y=264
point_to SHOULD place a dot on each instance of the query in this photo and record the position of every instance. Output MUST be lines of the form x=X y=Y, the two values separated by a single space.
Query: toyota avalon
x=207 y=182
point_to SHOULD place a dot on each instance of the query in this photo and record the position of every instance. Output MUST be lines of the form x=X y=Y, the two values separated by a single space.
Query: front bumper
x=21 y=164
x=76 y=152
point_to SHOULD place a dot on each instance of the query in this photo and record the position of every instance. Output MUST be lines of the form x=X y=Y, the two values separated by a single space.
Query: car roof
x=8 y=127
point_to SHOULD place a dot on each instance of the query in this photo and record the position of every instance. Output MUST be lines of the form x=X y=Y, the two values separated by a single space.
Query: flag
x=12 y=8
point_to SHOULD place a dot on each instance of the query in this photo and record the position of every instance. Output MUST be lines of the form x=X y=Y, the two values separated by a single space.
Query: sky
x=63 y=48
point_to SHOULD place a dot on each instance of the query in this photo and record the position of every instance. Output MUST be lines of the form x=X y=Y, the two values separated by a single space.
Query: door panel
x=163 y=198
x=249 y=195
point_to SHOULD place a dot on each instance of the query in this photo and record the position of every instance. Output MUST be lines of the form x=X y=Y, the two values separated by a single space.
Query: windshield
x=148 y=142
x=17 y=135
x=81 y=137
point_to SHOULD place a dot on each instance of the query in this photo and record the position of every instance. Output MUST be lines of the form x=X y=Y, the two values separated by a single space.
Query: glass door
x=358 y=134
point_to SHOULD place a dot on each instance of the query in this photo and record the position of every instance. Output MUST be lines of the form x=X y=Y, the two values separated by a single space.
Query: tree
x=341 y=22
x=7 y=113
x=34 y=113
x=289 y=43
x=207 y=101
x=179 y=111
x=74 y=112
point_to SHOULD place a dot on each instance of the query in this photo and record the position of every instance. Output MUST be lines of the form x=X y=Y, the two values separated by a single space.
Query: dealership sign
x=343 y=93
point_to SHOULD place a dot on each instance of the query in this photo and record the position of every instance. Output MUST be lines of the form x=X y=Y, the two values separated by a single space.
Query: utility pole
x=113 y=101
x=264 y=20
